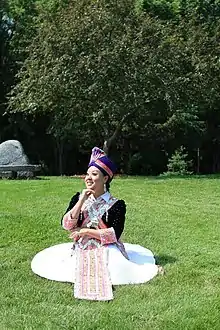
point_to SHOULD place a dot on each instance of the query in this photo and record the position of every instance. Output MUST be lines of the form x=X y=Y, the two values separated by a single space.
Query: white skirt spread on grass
x=58 y=263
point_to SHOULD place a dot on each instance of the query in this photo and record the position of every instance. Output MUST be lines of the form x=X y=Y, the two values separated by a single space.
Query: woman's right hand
x=85 y=194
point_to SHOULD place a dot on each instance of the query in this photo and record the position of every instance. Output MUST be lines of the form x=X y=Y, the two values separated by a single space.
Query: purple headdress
x=102 y=162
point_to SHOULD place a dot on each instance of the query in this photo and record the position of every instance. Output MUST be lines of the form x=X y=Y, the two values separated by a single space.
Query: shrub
x=178 y=163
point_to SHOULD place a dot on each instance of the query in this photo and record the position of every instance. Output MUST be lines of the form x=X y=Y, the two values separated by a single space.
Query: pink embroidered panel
x=107 y=236
x=68 y=223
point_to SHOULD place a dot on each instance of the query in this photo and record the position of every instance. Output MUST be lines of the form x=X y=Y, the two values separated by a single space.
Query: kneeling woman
x=97 y=259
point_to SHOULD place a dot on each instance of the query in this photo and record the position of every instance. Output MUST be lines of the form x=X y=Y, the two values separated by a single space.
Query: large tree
x=97 y=64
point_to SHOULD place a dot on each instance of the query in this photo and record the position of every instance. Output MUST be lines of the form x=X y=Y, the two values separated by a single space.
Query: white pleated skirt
x=58 y=263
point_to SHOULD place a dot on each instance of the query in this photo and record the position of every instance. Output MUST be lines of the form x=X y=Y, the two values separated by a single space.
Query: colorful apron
x=92 y=279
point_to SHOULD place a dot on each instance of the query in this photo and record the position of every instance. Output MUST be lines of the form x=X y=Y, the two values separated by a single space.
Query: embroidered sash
x=92 y=279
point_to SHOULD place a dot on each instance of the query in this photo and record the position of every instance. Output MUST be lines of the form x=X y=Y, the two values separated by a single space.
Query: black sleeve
x=116 y=217
x=72 y=203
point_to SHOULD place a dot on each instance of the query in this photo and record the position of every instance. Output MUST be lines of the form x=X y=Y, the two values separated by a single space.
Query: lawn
x=178 y=219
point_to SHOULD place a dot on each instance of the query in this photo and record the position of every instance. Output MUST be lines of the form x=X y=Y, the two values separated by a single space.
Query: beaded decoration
x=95 y=208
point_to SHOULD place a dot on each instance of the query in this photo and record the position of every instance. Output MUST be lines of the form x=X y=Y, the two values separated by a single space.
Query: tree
x=6 y=63
x=98 y=63
x=178 y=163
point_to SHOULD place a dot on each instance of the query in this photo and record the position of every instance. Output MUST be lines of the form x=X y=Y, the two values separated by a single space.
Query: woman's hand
x=77 y=234
x=85 y=194
x=83 y=232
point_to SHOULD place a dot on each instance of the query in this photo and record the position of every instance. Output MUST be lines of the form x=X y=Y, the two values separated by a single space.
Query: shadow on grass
x=163 y=177
x=40 y=178
x=189 y=177
x=164 y=259
x=24 y=178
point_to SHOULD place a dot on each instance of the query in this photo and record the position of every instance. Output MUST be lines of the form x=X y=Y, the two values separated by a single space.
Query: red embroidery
x=107 y=236
x=69 y=224
x=105 y=167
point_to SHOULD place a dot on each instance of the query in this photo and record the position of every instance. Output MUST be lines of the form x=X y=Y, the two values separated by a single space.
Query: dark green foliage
x=195 y=10
x=93 y=72
x=163 y=9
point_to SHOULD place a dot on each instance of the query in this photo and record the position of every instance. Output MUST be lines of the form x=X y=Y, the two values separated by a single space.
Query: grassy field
x=178 y=219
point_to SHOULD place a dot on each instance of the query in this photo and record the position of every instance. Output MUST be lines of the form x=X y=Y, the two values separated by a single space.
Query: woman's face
x=95 y=179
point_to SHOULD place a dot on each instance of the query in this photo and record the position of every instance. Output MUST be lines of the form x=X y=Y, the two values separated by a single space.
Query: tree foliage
x=143 y=74
x=178 y=164
x=100 y=62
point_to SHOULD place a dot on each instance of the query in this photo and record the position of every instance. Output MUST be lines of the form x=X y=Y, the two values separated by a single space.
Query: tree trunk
x=60 y=148
x=109 y=142
x=198 y=161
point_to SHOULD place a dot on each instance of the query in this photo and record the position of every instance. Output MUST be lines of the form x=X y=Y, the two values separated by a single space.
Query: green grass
x=178 y=219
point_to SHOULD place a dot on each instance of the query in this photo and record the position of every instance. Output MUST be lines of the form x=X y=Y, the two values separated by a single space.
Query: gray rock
x=12 y=153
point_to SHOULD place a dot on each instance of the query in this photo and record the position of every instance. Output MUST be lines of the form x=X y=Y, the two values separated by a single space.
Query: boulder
x=12 y=153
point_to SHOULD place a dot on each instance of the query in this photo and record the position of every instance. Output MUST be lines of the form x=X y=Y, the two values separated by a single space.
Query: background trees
x=140 y=79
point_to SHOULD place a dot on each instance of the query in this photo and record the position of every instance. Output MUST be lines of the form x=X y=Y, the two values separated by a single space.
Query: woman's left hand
x=77 y=234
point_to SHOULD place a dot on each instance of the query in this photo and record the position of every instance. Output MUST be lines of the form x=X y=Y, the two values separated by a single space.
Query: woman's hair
x=107 y=185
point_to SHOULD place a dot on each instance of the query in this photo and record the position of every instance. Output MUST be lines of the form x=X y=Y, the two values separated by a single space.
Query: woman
x=98 y=259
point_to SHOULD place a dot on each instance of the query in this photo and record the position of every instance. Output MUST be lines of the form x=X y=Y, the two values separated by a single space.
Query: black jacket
x=115 y=219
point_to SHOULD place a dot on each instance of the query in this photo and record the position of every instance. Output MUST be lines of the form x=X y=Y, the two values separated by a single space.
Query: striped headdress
x=100 y=160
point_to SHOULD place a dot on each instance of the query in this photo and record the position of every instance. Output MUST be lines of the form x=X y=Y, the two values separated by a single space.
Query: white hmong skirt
x=58 y=263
